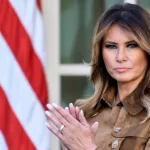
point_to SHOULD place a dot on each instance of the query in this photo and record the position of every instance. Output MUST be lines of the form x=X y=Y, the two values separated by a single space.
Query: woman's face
x=124 y=60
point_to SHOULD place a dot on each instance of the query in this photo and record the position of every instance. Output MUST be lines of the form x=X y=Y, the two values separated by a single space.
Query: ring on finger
x=61 y=127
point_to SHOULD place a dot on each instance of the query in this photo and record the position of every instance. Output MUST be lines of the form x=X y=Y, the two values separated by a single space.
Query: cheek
x=140 y=62
x=108 y=60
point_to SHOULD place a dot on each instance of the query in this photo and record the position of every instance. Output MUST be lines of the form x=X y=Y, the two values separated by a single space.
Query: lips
x=121 y=69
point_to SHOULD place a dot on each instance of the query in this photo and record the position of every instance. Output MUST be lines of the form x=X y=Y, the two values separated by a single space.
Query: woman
x=117 y=115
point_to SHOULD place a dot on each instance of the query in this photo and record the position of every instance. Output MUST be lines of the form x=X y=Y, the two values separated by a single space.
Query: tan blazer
x=120 y=126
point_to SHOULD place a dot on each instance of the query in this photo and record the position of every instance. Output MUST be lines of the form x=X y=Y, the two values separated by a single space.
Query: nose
x=121 y=55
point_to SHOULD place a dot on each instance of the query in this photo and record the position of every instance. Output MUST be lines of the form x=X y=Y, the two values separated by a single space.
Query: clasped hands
x=71 y=127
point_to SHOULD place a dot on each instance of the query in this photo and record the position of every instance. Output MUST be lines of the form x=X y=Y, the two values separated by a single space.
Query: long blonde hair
x=134 y=19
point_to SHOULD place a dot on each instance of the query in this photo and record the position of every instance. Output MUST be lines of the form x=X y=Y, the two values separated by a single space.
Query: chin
x=123 y=78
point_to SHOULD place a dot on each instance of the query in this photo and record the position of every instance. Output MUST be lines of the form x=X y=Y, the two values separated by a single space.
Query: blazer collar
x=131 y=103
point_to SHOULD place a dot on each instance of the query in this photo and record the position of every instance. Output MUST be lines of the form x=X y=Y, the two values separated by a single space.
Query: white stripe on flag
x=3 y=145
x=31 y=18
x=22 y=99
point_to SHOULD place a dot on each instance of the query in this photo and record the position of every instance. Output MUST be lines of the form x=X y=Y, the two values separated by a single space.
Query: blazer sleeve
x=147 y=147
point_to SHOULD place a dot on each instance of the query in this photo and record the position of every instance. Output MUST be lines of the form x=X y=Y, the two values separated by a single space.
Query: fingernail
x=49 y=106
x=77 y=107
x=48 y=113
x=70 y=104
x=55 y=105
x=81 y=111
x=97 y=123
x=66 y=108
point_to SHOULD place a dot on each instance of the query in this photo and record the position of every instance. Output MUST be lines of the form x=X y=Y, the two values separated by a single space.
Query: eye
x=110 y=46
x=133 y=45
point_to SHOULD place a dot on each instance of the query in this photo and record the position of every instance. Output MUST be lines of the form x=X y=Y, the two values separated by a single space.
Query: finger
x=67 y=116
x=63 y=146
x=82 y=118
x=94 y=127
x=77 y=112
x=72 y=110
x=53 y=119
x=67 y=109
x=55 y=132
x=56 y=123
x=57 y=115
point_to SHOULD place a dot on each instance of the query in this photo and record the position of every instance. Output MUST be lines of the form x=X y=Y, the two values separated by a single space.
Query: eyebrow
x=128 y=42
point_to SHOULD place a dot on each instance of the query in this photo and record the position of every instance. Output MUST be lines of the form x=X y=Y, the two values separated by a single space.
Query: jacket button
x=117 y=129
x=114 y=144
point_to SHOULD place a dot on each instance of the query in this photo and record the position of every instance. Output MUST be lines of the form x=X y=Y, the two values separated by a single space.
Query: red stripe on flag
x=39 y=5
x=21 y=46
x=14 y=134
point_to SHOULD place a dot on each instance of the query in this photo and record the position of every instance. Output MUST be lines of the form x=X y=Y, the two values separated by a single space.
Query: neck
x=124 y=89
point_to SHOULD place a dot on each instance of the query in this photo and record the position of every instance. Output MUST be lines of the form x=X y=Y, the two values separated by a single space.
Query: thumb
x=94 y=127
x=82 y=118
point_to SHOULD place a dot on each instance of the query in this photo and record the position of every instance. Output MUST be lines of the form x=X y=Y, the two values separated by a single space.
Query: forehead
x=117 y=33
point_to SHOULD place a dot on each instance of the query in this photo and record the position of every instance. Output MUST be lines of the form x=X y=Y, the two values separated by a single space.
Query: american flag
x=23 y=89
